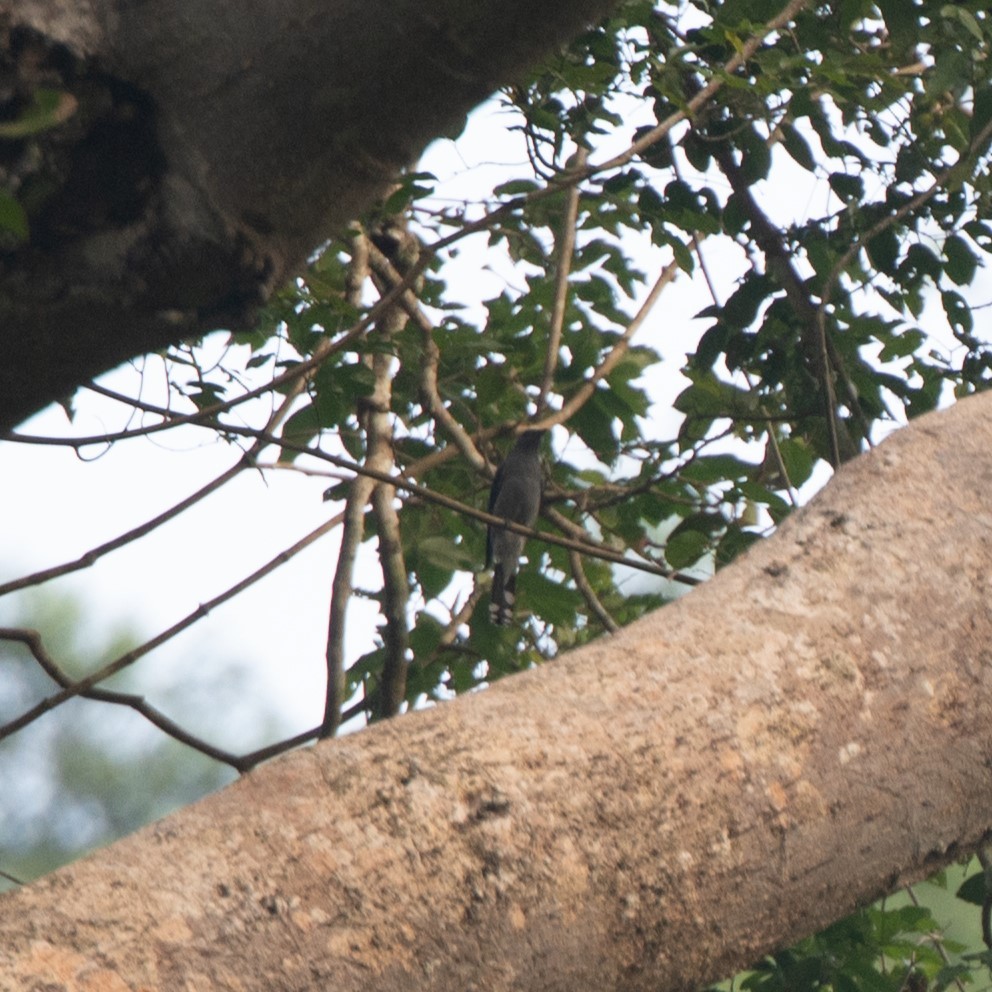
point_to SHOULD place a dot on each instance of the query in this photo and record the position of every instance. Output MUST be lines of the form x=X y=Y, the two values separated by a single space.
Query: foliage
x=815 y=349
x=819 y=333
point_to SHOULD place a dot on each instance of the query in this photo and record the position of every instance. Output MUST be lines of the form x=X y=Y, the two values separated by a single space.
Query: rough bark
x=796 y=737
x=208 y=146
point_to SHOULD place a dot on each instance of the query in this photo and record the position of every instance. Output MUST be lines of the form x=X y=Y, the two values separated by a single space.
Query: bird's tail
x=504 y=594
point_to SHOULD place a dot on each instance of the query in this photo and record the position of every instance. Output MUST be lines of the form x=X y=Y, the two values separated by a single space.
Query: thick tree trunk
x=798 y=736
x=206 y=146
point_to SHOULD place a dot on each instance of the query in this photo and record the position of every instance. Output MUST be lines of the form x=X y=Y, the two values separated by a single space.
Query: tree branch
x=32 y=640
x=807 y=731
x=578 y=398
x=564 y=250
x=589 y=594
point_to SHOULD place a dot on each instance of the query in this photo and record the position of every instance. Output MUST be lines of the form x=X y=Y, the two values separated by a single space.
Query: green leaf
x=445 y=553
x=13 y=222
x=685 y=547
x=551 y=599
x=973 y=889
x=716 y=468
x=515 y=187
x=798 y=460
x=756 y=159
x=798 y=147
x=981 y=115
x=958 y=12
x=846 y=186
x=46 y=109
x=957 y=311
x=961 y=262
x=883 y=250
x=980 y=233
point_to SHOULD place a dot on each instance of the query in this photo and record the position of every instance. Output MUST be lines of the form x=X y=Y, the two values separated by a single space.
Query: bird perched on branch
x=515 y=496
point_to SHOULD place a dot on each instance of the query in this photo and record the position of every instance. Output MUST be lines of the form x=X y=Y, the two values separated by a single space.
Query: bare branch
x=32 y=640
x=83 y=685
x=386 y=272
x=352 y=534
x=616 y=354
x=589 y=594
x=564 y=250
x=395 y=600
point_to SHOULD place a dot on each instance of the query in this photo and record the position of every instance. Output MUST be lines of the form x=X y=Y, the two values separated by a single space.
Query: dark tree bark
x=206 y=146
x=803 y=733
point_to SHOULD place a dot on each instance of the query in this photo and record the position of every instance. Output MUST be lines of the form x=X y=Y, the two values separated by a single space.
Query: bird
x=515 y=496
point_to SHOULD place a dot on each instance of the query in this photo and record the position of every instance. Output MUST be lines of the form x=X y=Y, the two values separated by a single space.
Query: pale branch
x=374 y=416
x=352 y=535
x=395 y=603
x=431 y=396
x=584 y=586
x=564 y=251
x=581 y=395
x=459 y=617
x=83 y=685
x=352 y=532
x=357 y=270
x=391 y=687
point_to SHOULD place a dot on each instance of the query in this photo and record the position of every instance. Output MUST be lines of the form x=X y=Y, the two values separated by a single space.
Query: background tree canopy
x=668 y=143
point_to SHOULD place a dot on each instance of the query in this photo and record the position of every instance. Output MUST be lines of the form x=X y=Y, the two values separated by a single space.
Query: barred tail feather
x=503 y=596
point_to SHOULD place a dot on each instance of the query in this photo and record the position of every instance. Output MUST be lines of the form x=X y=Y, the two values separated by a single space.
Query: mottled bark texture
x=208 y=146
x=794 y=738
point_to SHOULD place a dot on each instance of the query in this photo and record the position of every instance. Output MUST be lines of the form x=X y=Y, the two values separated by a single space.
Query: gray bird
x=516 y=496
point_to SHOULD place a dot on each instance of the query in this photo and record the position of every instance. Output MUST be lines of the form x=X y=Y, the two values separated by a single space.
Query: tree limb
x=251 y=133
x=805 y=732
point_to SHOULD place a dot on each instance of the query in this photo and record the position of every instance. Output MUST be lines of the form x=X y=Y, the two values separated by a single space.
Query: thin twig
x=589 y=594
x=247 y=459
